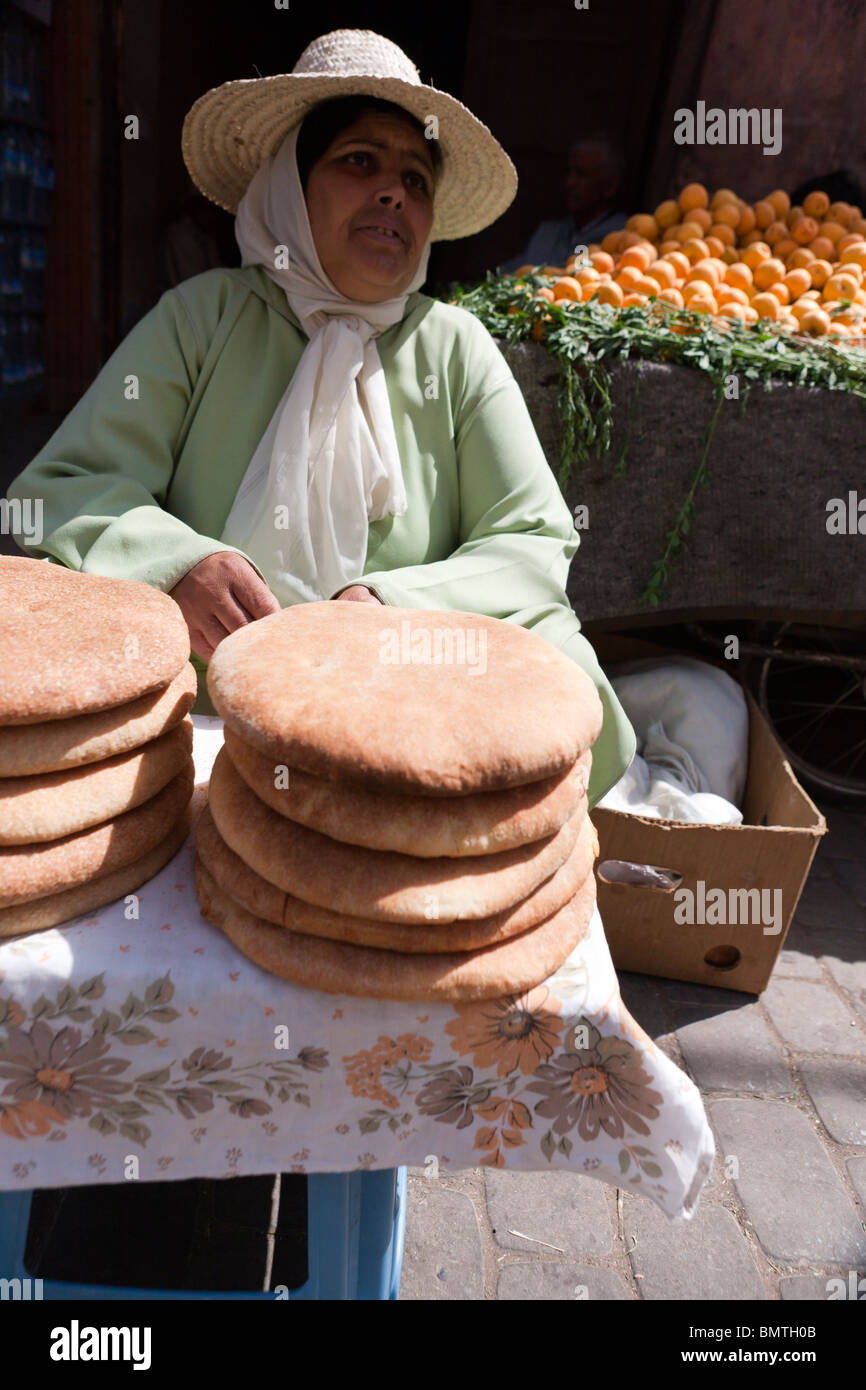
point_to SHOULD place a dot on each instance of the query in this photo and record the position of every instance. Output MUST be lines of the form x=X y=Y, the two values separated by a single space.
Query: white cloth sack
x=691 y=723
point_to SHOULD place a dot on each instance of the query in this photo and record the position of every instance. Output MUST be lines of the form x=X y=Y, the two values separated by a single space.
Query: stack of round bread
x=96 y=771
x=381 y=823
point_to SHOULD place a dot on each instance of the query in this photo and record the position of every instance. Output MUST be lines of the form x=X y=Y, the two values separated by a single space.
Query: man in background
x=592 y=182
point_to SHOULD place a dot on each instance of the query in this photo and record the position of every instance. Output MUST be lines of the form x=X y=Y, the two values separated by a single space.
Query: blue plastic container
x=355 y=1231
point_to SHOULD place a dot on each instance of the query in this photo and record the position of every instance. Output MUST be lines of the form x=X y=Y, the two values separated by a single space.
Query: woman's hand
x=359 y=594
x=219 y=594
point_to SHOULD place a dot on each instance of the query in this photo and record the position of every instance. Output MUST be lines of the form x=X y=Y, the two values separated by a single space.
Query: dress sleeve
x=103 y=477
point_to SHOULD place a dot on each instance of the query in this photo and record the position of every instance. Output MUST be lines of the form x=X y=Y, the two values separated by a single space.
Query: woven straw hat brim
x=232 y=128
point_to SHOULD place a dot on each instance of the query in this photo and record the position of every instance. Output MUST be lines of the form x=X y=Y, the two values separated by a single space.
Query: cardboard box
x=737 y=934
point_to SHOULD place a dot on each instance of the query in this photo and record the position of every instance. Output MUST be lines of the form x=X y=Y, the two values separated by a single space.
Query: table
x=146 y=1047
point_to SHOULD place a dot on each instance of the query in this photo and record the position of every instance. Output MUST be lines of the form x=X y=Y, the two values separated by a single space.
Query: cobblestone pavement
x=783 y=1077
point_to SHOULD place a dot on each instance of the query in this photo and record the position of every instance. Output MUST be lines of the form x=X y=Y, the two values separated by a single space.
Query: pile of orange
x=803 y=268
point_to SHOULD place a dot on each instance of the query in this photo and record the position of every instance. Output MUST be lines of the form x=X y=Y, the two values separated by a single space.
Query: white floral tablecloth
x=151 y=1042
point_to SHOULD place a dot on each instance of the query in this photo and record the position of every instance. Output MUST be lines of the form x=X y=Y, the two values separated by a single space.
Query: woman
x=310 y=425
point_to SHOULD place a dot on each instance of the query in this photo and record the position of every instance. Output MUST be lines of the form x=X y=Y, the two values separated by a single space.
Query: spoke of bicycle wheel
x=847 y=754
x=829 y=709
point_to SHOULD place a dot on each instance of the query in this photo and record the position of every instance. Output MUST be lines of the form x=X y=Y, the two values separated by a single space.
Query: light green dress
x=140 y=477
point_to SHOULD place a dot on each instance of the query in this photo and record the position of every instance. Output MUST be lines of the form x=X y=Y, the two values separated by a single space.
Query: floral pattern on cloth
x=139 y=1030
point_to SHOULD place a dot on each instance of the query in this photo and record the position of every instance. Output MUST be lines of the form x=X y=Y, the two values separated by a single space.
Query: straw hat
x=232 y=128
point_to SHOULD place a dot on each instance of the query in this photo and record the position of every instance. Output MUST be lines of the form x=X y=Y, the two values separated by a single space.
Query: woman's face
x=370 y=205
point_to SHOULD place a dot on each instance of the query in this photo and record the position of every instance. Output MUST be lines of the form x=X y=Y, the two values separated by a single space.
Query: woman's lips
x=382 y=238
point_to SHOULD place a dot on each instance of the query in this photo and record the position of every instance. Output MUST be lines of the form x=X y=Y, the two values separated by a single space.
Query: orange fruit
x=854 y=255
x=779 y=200
x=694 y=195
x=722 y=232
x=814 y=321
x=628 y=239
x=840 y=287
x=732 y=309
x=602 y=261
x=587 y=275
x=765 y=213
x=783 y=249
x=822 y=247
x=696 y=249
x=687 y=231
x=667 y=214
x=837 y=330
x=739 y=275
x=722 y=196
x=703 y=218
x=729 y=294
x=756 y=252
x=768 y=272
x=751 y=314
x=702 y=304
x=635 y=298
x=666 y=246
x=728 y=213
x=794 y=214
x=538 y=330
x=858 y=224
x=644 y=224
x=554 y=271
x=568 y=288
x=627 y=276
x=545 y=294
x=781 y=291
x=804 y=230
x=714 y=245
x=849 y=239
x=798 y=281
x=611 y=242
x=608 y=294
x=777 y=231
x=697 y=289
x=831 y=230
x=766 y=306
x=672 y=296
x=708 y=269
x=680 y=262
x=647 y=287
x=800 y=256
x=756 y=234
x=730 y=255
x=819 y=272
x=663 y=273
x=816 y=205
x=840 y=212
x=747 y=220
x=637 y=256
x=524 y=270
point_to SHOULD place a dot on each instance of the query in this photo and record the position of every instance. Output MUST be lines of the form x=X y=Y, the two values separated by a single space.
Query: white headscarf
x=328 y=462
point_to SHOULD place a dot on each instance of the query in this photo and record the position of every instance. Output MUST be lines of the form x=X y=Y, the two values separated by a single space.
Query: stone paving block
x=852 y=874
x=799 y=956
x=806 y=1288
x=791 y=1192
x=838 y=1092
x=442 y=1253
x=566 y=1210
x=846 y=834
x=646 y=1000
x=707 y=1258
x=844 y=954
x=857 y=1174
x=825 y=902
x=811 y=1018
x=552 y=1282
x=710 y=996
x=732 y=1050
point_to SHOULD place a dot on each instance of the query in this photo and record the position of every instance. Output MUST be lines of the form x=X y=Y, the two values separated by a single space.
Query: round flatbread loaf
x=73 y=643
x=34 y=871
x=376 y=883
x=334 y=967
x=59 y=744
x=428 y=826
x=88 y=897
x=239 y=882
x=53 y=804
x=353 y=691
